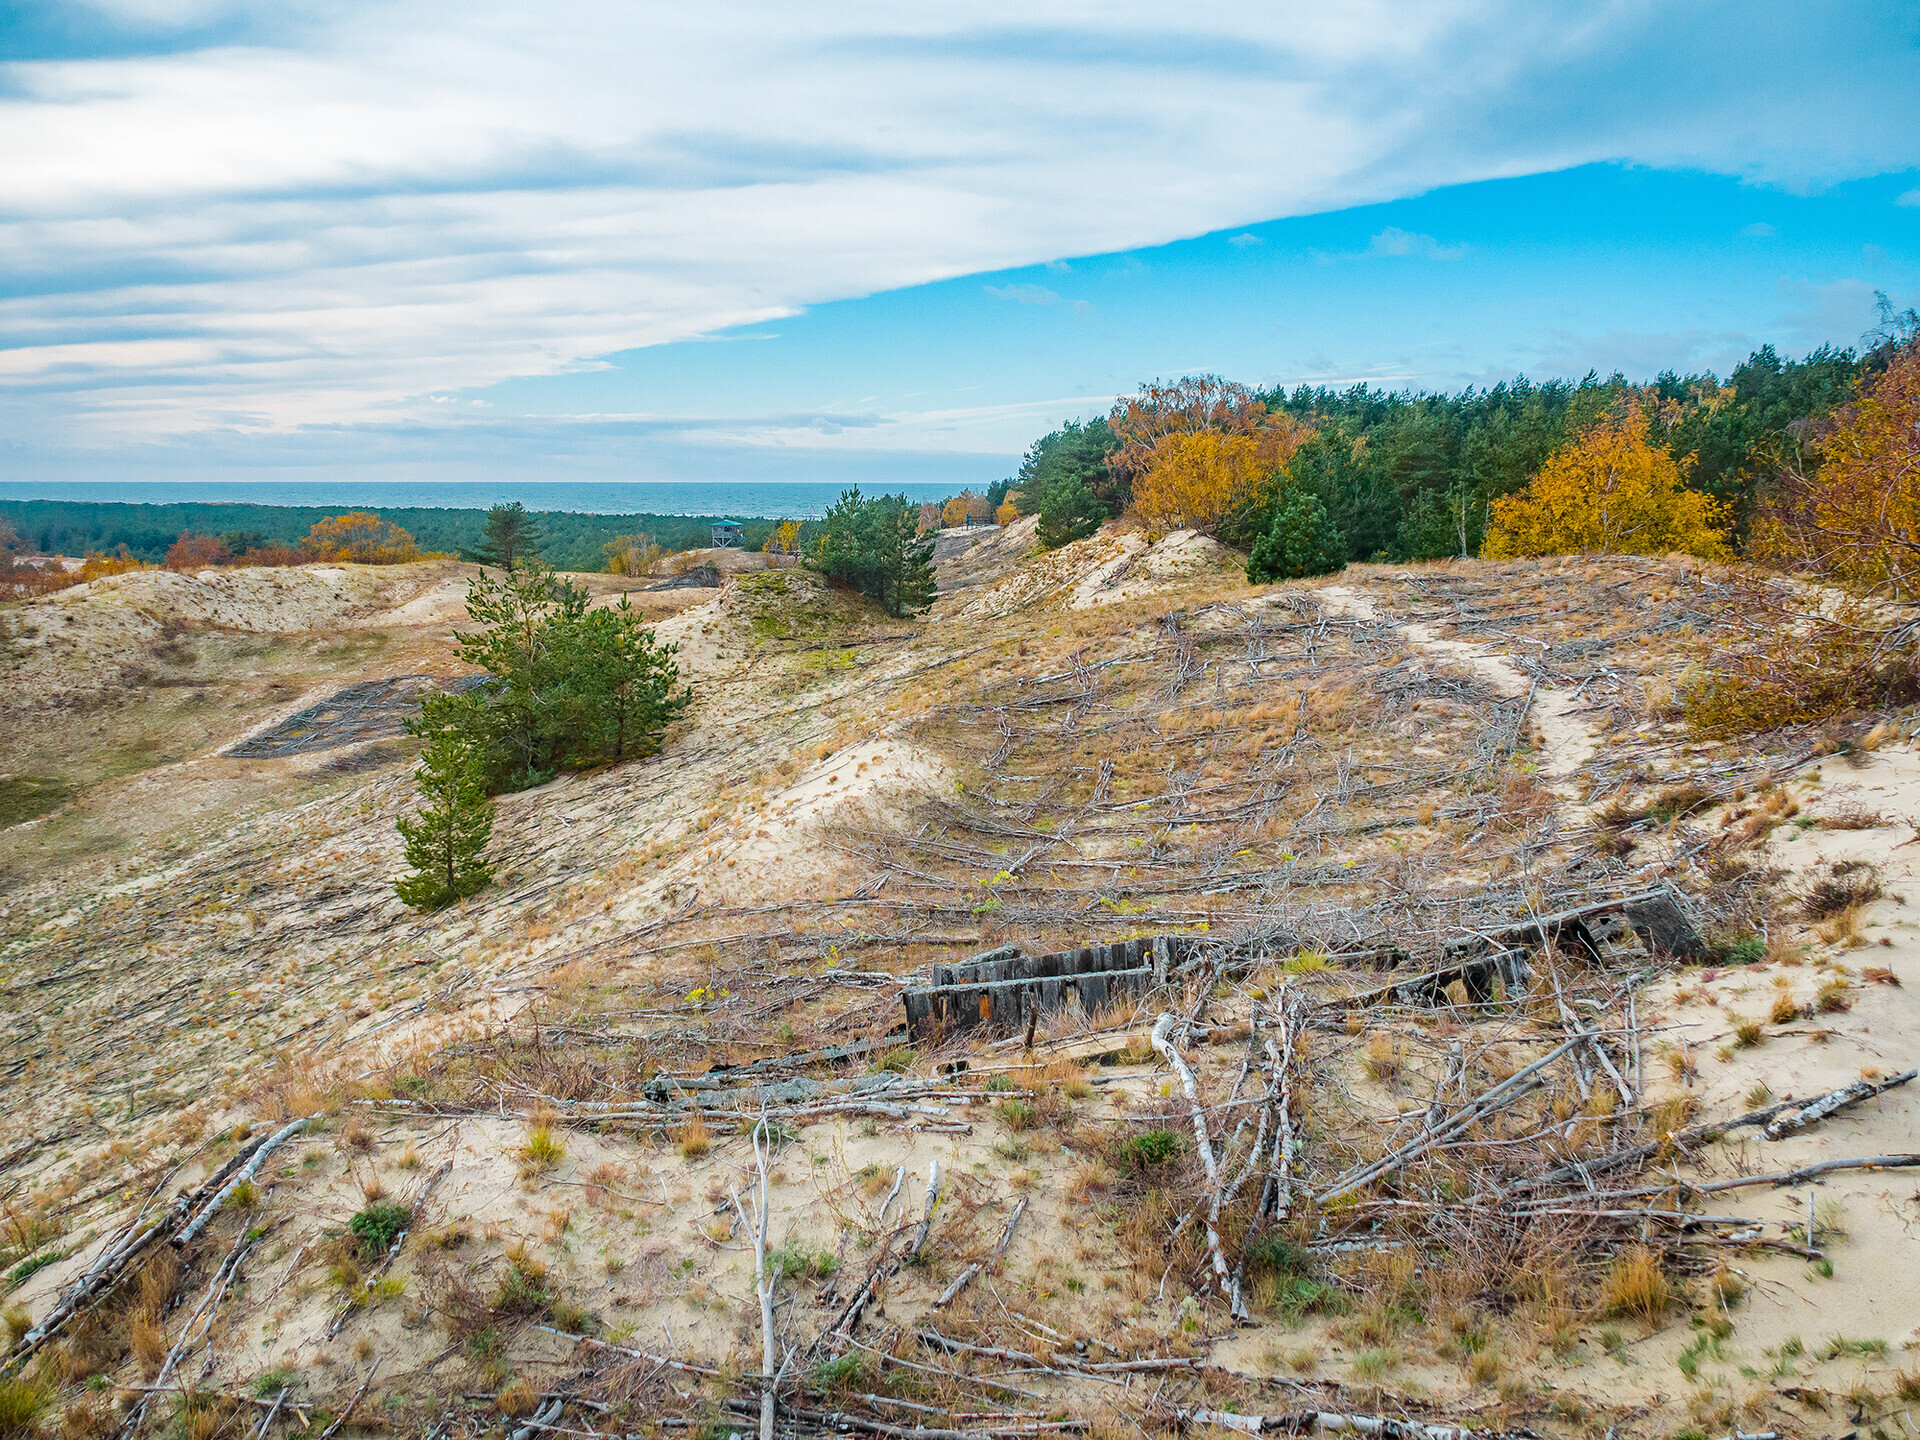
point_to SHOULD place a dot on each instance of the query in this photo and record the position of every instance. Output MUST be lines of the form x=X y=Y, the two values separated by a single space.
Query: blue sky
x=620 y=241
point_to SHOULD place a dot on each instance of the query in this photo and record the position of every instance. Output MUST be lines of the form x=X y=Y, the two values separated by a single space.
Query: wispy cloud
x=1024 y=294
x=220 y=214
x=1394 y=241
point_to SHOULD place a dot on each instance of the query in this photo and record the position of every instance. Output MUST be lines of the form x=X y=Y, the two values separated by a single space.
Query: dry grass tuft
x=1842 y=929
x=1383 y=1057
x=543 y=1150
x=1854 y=819
x=1635 y=1287
x=694 y=1138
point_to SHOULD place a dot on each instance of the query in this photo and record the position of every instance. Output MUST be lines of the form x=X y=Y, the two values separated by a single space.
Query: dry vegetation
x=1325 y=1174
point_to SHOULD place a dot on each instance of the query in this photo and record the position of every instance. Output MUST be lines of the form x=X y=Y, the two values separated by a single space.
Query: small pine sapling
x=446 y=838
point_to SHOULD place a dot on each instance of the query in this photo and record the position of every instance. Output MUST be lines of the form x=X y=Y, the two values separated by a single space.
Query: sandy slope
x=274 y=932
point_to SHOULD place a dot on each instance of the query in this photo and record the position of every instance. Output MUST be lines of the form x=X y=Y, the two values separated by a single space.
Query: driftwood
x=685 y=1366
x=222 y=1277
x=763 y=1281
x=112 y=1264
x=352 y=1404
x=1332 y=1422
x=245 y=1176
x=1488 y=1103
x=1789 y=1121
x=1162 y=1030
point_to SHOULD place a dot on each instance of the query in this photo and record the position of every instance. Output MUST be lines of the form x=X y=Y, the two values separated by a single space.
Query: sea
x=745 y=500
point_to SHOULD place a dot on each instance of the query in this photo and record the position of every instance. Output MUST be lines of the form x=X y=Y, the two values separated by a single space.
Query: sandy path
x=1566 y=741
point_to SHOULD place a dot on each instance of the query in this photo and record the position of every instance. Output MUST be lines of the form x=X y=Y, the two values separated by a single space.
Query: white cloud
x=1758 y=230
x=1911 y=197
x=1244 y=239
x=1024 y=294
x=1394 y=241
x=328 y=213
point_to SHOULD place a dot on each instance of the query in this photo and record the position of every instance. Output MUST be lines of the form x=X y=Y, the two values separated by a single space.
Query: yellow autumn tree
x=785 y=539
x=1196 y=477
x=954 y=512
x=1610 y=491
x=631 y=554
x=361 y=538
x=1009 y=510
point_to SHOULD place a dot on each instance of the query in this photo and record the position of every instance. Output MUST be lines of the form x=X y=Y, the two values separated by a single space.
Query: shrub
x=1016 y=1114
x=1151 y=1149
x=1851 y=516
x=799 y=1263
x=525 y=1290
x=694 y=1139
x=446 y=839
x=1195 y=478
x=871 y=545
x=197 y=552
x=1300 y=541
x=1775 y=658
x=377 y=1226
x=1837 y=892
x=542 y=1150
x=842 y=1376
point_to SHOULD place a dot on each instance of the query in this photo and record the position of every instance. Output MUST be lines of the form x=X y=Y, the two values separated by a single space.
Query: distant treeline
x=1408 y=475
x=567 y=541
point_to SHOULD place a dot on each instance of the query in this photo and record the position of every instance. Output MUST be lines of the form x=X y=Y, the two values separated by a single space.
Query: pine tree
x=872 y=545
x=1301 y=541
x=1068 y=511
x=624 y=681
x=445 y=839
x=513 y=537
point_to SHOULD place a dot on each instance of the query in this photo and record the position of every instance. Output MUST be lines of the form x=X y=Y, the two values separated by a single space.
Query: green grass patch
x=27 y=797
x=376 y=1226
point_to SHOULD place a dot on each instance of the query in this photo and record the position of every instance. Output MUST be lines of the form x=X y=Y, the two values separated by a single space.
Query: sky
x=409 y=239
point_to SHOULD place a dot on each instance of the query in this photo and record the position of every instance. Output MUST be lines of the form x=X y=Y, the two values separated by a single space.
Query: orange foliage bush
x=1192 y=404
x=359 y=538
x=1806 y=653
x=1782 y=657
x=1856 y=517
x=197 y=552
x=1195 y=478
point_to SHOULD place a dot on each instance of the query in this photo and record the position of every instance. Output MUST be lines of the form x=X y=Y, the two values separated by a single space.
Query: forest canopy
x=1416 y=475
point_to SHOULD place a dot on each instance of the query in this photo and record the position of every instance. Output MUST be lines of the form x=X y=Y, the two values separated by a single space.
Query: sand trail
x=1566 y=742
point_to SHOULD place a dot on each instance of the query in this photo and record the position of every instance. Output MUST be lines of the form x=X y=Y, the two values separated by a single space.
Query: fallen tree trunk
x=1846 y=1096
